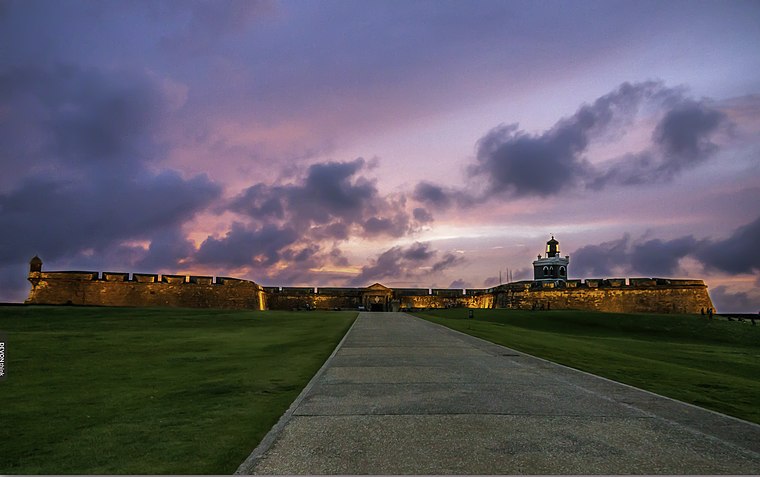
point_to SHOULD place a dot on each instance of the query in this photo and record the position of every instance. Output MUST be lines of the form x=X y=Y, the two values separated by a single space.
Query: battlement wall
x=647 y=295
x=653 y=295
x=119 y=289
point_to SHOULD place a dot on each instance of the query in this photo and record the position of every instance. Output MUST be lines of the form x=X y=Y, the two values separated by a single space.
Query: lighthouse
x=552 y=267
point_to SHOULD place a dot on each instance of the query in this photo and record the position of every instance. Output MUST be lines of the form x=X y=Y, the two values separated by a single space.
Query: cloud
x=395 y=226
x=396 y=262
x=332 y=200
x=513 y=163
x=449 y=260
x=650 y=258
x=432 y=194
x=58 y=218
x=92 y=181
x=459 y=283
x=15 y=288
x=421 y=215
x=681 y=140
x=417 y=252
x=166 y=250
x=727 y=302
x=78 y=116
x=599 y=260
x=684 y=131
x=660 y=258
x=517 y=164
x=735 y=254
x=656 y=257
x=243 y=246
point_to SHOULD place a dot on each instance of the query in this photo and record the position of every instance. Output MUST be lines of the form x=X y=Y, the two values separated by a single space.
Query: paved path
x=404 y=396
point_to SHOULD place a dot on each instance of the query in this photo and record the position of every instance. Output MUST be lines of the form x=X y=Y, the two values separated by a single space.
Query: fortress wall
x=654 y=295
x=60 y=288
x=288 y=301
x=689 y=297
x=461 y=301
x=330 y=302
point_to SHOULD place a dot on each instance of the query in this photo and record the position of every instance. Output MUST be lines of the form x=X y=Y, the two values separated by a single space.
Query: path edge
x=742 y=446
x=266 y=443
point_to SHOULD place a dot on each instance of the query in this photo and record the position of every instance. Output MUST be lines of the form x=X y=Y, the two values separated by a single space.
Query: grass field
x=714 y=364
x=151 y=391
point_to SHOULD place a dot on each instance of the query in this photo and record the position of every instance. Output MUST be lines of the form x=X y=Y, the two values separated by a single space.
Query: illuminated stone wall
x=653 y=295
x=117 y=289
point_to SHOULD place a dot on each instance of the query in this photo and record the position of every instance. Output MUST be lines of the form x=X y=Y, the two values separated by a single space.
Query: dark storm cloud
x=432 y=194
x=243 y=246
x=167 y=249
x=681 y=140
x=76 y=117
x=393 y=227
x=88 y=139
x=328 y=191
x=520 y=164
x=301 y=255
x=415 y=261
x=650 y=258
x=15 y=288
x=394 y=263
x=330 y=201
x=514 y=163
x=58 y=218
x=660 y=258
x=417 y=252
x=656 y=257
x=735 y=254
x=727 y=302
x=599 y=260
x=449 y=260
x=684 y=131
x=421 y=215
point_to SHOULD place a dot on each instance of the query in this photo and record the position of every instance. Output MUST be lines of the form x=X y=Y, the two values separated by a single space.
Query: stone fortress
x=550 y=289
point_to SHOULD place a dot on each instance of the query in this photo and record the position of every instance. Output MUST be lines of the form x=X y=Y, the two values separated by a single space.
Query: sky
x=411 y=143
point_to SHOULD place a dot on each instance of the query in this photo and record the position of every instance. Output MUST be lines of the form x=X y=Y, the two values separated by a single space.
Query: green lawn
x=151 y=391
x=714 y=364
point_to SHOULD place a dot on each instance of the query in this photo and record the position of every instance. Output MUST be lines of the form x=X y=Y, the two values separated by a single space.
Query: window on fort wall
x=562 y=271
x=546 y=271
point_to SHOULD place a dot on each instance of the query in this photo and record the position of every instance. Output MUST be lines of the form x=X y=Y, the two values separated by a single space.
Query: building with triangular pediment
x=377 y=297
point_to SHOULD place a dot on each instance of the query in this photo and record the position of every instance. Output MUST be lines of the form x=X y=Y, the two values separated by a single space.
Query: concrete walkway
x=405 y=396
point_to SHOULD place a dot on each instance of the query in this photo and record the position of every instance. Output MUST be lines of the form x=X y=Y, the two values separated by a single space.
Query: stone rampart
x=117 y=289
x=650 y=295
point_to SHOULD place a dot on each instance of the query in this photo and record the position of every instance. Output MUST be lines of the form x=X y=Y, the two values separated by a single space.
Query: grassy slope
x=713 y=364
x=151 y=391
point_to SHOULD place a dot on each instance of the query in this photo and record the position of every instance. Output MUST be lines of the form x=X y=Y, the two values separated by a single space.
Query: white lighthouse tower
x=552 y=267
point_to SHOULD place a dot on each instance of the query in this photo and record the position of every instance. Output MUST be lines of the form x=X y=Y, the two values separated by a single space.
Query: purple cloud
x=514 y=164
x=331 y=201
